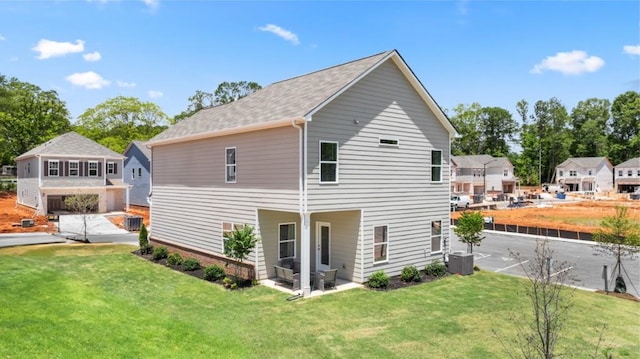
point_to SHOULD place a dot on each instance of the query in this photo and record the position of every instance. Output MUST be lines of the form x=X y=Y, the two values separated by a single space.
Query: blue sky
x=491 y=52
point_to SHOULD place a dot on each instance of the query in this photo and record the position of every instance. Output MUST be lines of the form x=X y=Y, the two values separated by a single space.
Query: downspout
x=305 y=240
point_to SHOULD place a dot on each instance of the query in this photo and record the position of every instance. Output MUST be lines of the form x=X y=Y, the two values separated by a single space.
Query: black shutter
x=66 y=168
x=46 y=168
x=86 y=168
x=99 y=169
x=115 y=168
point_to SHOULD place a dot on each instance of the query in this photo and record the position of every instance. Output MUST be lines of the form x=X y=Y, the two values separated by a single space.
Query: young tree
x=82 y=204
x=618 y=237
x=238 y=244
x=143 y=239
x=469 y=229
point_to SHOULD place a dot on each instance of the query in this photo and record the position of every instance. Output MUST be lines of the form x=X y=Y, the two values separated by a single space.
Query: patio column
x=305 y=257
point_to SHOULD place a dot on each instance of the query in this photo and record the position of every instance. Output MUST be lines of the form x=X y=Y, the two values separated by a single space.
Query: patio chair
x=328 y=279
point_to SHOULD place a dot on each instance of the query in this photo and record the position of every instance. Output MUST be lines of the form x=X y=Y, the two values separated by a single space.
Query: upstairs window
x=630 y=173
x=93 y=168
x=436 y=166
x=380 y=243
x=139 y=171
x=620 y=173
x=133 y=173
x=506 y=173
x=572 y=173
x=111 y=168
x=74 y=168
x=230 y=165
x=328 y=162
x=389 y=142
x=287 y=241
x=560 y=173
x=54 y=168
x=590 y=172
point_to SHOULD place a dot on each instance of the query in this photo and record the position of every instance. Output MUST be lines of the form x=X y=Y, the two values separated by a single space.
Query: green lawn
x=79 y=301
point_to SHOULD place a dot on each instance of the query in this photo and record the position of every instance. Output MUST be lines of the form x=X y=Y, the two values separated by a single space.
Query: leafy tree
x=469 y=229
x=117 y=121
x=467 y=121
x=238 y=245
x=82 y=204
x=619 y=237
x=225 y=93
x=29 y=116
x=526 y=164
x=624 y=138
x=589 y=128
x=554 y=140
x=497 y=127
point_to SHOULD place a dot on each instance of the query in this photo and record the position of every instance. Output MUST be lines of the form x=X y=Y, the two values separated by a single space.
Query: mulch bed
x=396 y=283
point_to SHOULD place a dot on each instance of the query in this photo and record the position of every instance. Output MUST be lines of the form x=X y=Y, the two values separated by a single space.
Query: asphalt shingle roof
x=584 y=162
x=142 y=146
x=71 y=144
x=634 y=162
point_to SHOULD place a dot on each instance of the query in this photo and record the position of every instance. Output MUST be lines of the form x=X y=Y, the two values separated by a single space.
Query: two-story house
x=482 y=174
x=137 y=172
x=344 y=168
x=579 y=174
x=627 y=176
x=67 y=165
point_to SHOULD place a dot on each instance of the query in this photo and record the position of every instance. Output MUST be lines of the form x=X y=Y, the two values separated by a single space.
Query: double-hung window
x=74 y=168
x=287 y=240
x=436 y=165
x=328 y=162
x=380 y=243
x=230 y=165
x=436 y=236
x=54 y=168
x=111 y=168
x=93 y=168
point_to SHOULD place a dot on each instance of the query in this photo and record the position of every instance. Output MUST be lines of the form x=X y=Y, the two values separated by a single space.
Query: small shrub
x=143 y=237
x=378 y=280
x=160 y=253
x=147 y=249
x=410 y=274
x=174 y=259
x=190 y=264
x=476 y=268
x=436 y=269
x=213 y=273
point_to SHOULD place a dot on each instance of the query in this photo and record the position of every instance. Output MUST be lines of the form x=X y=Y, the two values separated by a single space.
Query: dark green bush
x=213 y=273
x=147 y=249
x=476 y=268
x=190 y=264
x=436 y=269
x=410 y=274
x=378 y=280
x=142 y=237
x=160 y=253
x=174 y=259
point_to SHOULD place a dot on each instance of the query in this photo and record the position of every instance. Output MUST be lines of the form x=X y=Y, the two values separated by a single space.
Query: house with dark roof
x=627 y=176
x=482 y=174
x=585 y=174
x=137 y=172
x=344 y=168
x=67 y=165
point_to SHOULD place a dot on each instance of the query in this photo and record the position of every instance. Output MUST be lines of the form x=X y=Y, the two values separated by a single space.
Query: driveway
x=97 y=224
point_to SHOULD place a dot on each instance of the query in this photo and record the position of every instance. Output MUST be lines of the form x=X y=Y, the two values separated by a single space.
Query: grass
x=79 y=301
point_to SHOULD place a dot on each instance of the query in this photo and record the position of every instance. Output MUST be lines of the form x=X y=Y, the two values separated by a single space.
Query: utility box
x=27 y=223
x=132 y=223
x=461 y=263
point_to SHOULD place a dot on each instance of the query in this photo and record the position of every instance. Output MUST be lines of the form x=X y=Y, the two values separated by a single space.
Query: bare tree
x=82 y=204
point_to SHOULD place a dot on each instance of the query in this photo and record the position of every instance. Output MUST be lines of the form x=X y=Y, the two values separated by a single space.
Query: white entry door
x=323 y=239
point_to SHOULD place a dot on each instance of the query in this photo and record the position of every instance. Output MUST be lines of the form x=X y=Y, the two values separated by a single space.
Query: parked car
x=459 y=201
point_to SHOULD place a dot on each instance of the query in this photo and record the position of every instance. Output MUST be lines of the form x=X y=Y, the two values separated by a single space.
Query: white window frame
x=90 y=169
x=111 y=167
x=228 y=166
x=620 y=172
x=434 y=166
x=630 y=173
x=71 y=169
x=335 y=162
x=433 y=236
x=384 y=243
x=505 y=173
x=133 y=173
x=389 y=142
x=139 y=171
x=57 y=169
x=288 y=240
x=573 y=173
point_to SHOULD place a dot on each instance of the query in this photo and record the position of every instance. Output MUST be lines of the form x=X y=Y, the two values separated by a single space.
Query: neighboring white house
x=592 y=174
x=344 y=168
x=67 y=165
x=627 y=176
x=480 y=174
x=137 y=172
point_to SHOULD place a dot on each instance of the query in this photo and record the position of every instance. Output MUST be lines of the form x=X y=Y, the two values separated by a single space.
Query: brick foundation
x=247 y=270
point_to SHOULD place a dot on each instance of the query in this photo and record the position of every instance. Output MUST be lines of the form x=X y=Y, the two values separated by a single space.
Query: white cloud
x=463 y=7
x=151 y=3
x=632 y=49
x=92 y=56
x=278 y=31
x=155 y=94
x=569 y=63
x=89 y=80
x=48 y=48
x=125 y=84
x=2 y=38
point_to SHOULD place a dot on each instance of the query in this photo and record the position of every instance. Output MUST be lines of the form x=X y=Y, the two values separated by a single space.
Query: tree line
x=535 y=144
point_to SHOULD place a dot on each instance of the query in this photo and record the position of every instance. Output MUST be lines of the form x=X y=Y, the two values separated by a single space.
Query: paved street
x=586 y=266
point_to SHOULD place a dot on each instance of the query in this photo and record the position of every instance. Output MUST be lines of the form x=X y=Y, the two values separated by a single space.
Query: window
x=638 y=173
x=228 y=227
x=133 y=173
x=380 y=242
x=111 y=168
x=561 y=173
x=620 y=173
x=230 y=165
x=93 y=168
x=139 y=171
x=74 y=167
x=572 y=173
x=54 y=168
x=630 y=173
x=590 y=172
x=506 y=173
x=457 y=171
x=436 y=236
x=389 y=142
x=29 y=168
x=436 y=166
x=328 y=162
x=287 y=240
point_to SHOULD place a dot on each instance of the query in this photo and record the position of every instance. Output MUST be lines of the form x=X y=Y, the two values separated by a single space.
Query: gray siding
x=345 y=242
x=191 y=199
x=28 y=192
x=137 y=174
x=269 y=231
x=390 y=184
